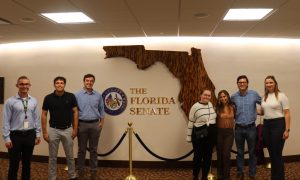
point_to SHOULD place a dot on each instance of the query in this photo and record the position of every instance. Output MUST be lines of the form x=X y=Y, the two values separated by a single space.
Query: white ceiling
x=146 y=18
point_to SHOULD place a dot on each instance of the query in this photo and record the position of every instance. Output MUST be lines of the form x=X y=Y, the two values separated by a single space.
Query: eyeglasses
x=24 y=84
x=242 y=82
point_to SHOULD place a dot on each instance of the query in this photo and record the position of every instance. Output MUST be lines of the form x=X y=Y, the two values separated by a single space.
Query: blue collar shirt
x=14 y=116
x=246 y=106
x=90 y=105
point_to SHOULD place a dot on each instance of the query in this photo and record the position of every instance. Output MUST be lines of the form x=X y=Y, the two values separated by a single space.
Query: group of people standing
x=78 y=115
x=233 y=119
x=82 y=115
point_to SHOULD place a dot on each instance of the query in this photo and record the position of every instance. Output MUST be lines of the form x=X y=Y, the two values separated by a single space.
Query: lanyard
x=25 y=106
x=207 y=123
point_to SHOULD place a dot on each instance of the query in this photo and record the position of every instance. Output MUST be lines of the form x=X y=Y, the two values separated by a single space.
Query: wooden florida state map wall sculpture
x=189 y=69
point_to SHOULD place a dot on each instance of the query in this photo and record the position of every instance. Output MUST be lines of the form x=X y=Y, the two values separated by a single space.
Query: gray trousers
x=88 y=135
x=65 y=136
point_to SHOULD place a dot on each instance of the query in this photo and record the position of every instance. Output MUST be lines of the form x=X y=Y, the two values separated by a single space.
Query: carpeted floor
x=39 y=172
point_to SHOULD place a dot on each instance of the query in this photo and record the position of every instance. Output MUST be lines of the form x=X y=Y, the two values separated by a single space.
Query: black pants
x=203 y=151
x=23 y=144
x=224 y=145
x=272 y=135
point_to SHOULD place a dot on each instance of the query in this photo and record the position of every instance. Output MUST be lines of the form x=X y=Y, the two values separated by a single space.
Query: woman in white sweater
x=276 y=110
x=201 y=132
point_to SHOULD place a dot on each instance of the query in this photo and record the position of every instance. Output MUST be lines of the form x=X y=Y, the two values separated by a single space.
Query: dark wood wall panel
x=189 y=69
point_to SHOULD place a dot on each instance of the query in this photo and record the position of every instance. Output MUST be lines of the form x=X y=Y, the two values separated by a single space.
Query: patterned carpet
x=39 y=172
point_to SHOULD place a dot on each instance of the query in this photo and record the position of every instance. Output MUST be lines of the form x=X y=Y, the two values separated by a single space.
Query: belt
x=88 y=121
x=60 y=127
x=22 y=132
x=245 y=126
x=274 y=119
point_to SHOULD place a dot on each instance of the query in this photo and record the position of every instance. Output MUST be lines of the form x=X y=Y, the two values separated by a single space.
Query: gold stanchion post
x=210 y=175
x=129 y=130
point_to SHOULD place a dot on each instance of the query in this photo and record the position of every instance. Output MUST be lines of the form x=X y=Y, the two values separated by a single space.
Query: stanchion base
x=211 y=176
x=66 y=168
x=268 y=165
x=130 y=177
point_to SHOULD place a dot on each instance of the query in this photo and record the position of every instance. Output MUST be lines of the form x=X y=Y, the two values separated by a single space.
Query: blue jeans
x=272 y=135
x=247 y=134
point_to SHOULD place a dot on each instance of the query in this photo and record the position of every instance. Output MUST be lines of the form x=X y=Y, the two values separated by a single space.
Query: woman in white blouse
x=276 y=110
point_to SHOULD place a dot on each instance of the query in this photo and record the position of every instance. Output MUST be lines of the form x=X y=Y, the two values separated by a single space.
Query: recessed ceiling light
x=69 y=17
x=246 y=14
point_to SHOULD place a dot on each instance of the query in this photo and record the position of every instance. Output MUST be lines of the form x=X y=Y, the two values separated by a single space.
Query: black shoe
x=240 y=176
x=252 y=177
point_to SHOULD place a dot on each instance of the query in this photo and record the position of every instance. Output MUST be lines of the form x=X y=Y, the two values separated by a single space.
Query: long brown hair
x=220 y=106
x=276 y=89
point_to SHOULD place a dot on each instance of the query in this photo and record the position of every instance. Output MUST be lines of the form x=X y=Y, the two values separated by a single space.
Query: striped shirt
x=200 y=114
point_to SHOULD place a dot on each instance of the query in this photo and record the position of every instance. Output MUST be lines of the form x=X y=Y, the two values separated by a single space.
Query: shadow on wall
x=1 y=90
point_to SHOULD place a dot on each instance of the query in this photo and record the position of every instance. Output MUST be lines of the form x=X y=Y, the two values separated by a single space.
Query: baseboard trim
x=142 y=164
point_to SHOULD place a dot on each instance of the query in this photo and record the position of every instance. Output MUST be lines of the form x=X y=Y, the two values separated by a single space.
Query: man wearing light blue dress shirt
x=91 y=119
x=245 y=101
x=21 y=129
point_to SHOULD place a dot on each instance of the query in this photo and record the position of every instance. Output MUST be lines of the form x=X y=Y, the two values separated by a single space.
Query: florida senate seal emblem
x=115 y=101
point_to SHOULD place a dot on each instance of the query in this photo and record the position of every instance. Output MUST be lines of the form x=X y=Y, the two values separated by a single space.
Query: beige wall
x=224 y=59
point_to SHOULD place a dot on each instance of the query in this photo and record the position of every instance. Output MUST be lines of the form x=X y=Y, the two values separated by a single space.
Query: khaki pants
x=65 y=136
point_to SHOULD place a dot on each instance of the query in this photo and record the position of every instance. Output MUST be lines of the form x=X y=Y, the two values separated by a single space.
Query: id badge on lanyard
x=25 y=105
x=207 y=122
